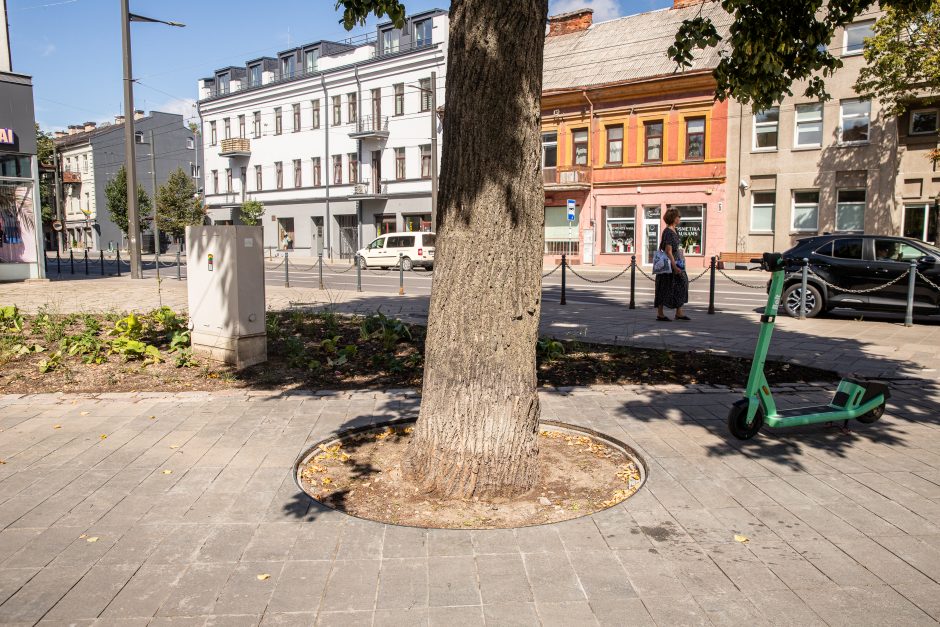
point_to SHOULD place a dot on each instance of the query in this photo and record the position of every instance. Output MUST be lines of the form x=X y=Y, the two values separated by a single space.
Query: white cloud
x=603 y=9
x=48 y=50
x=183 y=106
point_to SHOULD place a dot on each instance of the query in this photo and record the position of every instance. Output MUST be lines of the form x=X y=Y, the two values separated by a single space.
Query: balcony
x=235 y=147
x=366 y=190
x=567 y=177
x=71 y=176
x=371 y=127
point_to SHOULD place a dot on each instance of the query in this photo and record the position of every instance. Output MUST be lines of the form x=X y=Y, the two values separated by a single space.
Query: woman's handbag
x=661 y=263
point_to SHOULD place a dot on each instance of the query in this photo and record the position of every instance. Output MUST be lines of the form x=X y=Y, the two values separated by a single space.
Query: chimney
x=571 y=22
x=681 y=4
x=119 y=119
x=90 y=126
x=74 y=129
x=60 y=134
x=138 y=113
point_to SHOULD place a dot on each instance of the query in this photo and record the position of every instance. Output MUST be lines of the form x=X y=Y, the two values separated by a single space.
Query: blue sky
x=72 y=48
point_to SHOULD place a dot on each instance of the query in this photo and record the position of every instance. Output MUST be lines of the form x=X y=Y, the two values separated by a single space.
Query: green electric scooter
x=862 y=400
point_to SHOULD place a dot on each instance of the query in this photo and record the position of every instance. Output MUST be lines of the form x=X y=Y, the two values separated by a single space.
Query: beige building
x=805 y=167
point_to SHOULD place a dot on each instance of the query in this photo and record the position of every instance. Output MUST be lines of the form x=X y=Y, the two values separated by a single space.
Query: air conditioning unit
x=361 y=189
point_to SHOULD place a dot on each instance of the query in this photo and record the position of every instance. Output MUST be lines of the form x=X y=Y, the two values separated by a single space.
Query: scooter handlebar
x=771 y=262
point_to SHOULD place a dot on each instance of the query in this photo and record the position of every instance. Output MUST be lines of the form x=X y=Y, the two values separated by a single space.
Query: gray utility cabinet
x=225 y=276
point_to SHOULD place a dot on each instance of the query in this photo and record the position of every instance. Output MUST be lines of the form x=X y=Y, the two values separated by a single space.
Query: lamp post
x=133 y=219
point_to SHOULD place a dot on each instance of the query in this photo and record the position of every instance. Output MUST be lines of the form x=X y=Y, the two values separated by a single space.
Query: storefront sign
x=690 y=234
x=7 y=136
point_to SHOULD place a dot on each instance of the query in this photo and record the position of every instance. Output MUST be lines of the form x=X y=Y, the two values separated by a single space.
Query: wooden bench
x=729 y=261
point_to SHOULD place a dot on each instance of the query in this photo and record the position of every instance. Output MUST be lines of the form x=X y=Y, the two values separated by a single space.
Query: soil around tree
x=360 y=473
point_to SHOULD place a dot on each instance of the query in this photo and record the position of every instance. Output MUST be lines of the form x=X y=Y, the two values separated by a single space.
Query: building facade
x=626 y=138
x=90 y=156
x=806 y=167
x=333 y=138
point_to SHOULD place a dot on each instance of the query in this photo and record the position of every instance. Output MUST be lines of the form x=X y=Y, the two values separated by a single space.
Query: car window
x=401 y=241
x=850 y=248
x=894 y=250
x=429 y=239
x=377 y=243
x=825 y=250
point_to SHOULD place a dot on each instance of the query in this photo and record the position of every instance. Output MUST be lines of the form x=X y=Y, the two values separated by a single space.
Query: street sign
x=57 y=225
x=571 y=208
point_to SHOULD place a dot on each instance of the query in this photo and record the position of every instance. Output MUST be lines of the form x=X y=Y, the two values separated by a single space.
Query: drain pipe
x=359 y=111
x=593 y=217
x=327 y=164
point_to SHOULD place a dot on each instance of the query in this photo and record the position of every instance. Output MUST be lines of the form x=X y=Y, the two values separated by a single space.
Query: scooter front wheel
x=737 y=421
x=873 y=415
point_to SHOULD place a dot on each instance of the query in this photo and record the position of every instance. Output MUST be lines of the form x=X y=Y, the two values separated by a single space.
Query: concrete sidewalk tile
x=411 y=617
x=196 y=592
x=620 y=530
x=783 y=607
x=12 y=540
x=12 y=579
x=360 y=539
x=925 y=596
x=317 y=540
x=233 y=620
x=177 y=621
x=403 y=583
x=731 y=609
x=503 y=579
x=565 y=613
x=675 y=610
x=890 y=568
x=601 y=575
x=552 y=578
x=469 y=615
x=181 y=545
x=742 y=566
x=791 y=567
x=494 y=542
x=346 y=619
x=452 y=581
x=294 y=619
x=271 y=542
x=300 y=587
x=835 y=563
x=581 y=534
x=875 y=605
x=610 y=611
x=44 y=548
x=404 y=542
x=226 y=542
x=449 y=542
x=40 y=594
x=510 y=614
x=539 y=539
x=351 y=586
x=89 y=597
x=244 y=592
x=915 y=552
x=649 y=573
x=696 y=571
x=145 y=592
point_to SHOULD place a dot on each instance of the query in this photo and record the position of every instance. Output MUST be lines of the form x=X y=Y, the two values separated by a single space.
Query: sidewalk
x=172 y=517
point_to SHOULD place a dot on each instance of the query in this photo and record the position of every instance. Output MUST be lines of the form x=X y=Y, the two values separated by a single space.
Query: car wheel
x=406 y=264
x=792 y=296
x=363 y=264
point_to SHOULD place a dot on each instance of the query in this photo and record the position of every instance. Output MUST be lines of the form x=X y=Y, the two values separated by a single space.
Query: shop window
x=691 y=228
x=620 y=225
x=763 y=205
x=805 y=212
x=850 y=210
x=384 y=224
x=420 y=222
x=560 y=236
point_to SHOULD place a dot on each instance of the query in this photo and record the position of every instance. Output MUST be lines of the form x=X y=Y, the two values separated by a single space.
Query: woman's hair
x=671 y=214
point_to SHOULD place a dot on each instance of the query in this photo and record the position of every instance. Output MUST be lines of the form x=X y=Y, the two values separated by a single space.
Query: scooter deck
x=802 y=411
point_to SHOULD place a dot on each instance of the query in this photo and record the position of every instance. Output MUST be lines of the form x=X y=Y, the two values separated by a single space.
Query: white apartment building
x=78 y=191
x=334 y=138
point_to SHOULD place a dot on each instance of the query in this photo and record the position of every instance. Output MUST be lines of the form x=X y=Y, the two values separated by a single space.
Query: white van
x=416 y=250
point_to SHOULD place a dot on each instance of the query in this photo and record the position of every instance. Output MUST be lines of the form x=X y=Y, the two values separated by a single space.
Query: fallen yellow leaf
x=263 y=576
x=2 y=462
x=327 y=481
x=174 y=446
x=153 y=418
x=168 y=472
x=84 y=413
x=84 y=535
x=104 y=436
x=92 y=539
x=56 y=426
x=742 y=539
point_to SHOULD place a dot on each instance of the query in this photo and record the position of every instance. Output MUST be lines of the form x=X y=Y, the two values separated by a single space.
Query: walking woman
x=672 y=288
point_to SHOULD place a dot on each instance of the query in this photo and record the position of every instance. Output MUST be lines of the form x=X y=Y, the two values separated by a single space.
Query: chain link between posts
x=330 y=269
x=598 y=281
x=928 y=281
x=551 y=272
x=865 y=291
x=750 y=286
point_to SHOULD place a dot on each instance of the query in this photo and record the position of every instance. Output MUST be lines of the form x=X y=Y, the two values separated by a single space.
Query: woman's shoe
x=663 y=319
x=683 y=318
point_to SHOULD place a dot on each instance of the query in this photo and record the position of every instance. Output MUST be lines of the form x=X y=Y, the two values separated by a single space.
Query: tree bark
x=476 y=435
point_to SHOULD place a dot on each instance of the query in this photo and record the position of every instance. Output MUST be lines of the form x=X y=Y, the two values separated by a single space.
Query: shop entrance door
x=652 y=216
x=317 y=243
x=285 y=233
x=920 y=222
x=348 y=236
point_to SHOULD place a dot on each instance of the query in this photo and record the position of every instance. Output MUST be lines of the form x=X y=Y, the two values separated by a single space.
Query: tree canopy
x=251 y=212
x=116 y=193
x=178 y=205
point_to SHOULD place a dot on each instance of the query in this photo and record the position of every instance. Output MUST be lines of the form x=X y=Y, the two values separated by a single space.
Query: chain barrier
x=424 y=275
x=643 y=272
x=551 y=272
x=865 y=291
x=701 y=274
x=272 y=267
x=928 y=281
x=742 y=283
x=352 y=266
x=598 y=281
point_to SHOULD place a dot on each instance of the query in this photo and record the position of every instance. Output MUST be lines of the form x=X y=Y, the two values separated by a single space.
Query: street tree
x=251 y=212
x=116 y=193
x=44 y=154
x=178 y=205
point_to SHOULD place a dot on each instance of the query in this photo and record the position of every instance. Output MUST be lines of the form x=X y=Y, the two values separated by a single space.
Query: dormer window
x=254 y=75
x=423 y=34
x=389 y=41
x=222 y=83
x=288 y=66
x=311 y=60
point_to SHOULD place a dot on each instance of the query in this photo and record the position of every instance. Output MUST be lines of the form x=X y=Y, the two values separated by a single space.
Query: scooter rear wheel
x=737 y=422
x=873 y=415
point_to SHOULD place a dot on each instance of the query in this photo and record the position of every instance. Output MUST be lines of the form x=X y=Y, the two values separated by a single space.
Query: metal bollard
x=564 y=263
x=58 y=262
x=102 y=262
x=286 y=269
x=179 y=275
x=711 y=286
x=358 y=274
x=71 y=261
x=86 y=262
x=118 y=257
x=632 y=281
x=320 y=268
x=401 y=276
x=803 y=287
x=911 y=284
x=156 y=258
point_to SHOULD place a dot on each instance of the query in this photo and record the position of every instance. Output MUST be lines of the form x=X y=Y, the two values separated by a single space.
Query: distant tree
x=44 y=146
x=44 y=152
x=193 y=128
x=116 y=193
x=251 y=212
x=178 y=205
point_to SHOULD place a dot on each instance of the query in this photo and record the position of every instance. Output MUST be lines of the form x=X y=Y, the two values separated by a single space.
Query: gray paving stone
x=145 y=592
x=503 y=579
x=468 y=616
x=447 y=542
x=93 y=593
x=510 y=614
x=870 y=605
x=196 y=592
x=649 y=573
x=611 y=611
x=345 y=619
x=300 y=587
x=352 y=586
x=40 y=594
x=675 y=610
x=452 y=581
x=601 y=575
x=244 y=593
x=296 y=619
x=12 y=579
x=412 y=617
x=552 y=578
x=403 y=584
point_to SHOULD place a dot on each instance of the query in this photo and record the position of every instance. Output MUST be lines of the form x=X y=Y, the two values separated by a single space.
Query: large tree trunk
x=476 y=435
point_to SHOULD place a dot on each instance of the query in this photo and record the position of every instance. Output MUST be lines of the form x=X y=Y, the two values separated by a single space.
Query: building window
x=279 y=174
x=215 y=181
x=258 y=178
x=311 y=60
x=353 y=167
x=138 y=138
x=385 y=224
x=763 y=205
x=337 y=111
x=296 y=112
x=316 y=172
x=924 y=122
x=579 y=147
x=855 y=35
x=194 y=170
x=805 y=212
x=288 y=66
x=241 y=126
x=84 y=163
x=620 y=228
x=614 y=144
x=850 y=210
x=691 y=229
x=254 y=75
x=298 y=175
x=315 y=104
x=653 y=132
x=213 y=137
x=854 y=122
x=228 y=180
x=224 y=83
x=226 y=129
x=257 y=124
x=695 y=139
x=190 y=143
x=389 y=41
x=353 y=108
x=809 y=125
x=425 y=85
x=766 y=125
x=400 y=99
x=400 y=164
x=422 y=34
x=560 y=236
x=337 y=169
x=278 y=121
x=426 y=161
x=420 y=222
x=549 y=150
x=243 y=179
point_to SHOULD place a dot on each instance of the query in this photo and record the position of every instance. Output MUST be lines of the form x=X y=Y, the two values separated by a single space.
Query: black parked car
x=841 y=263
